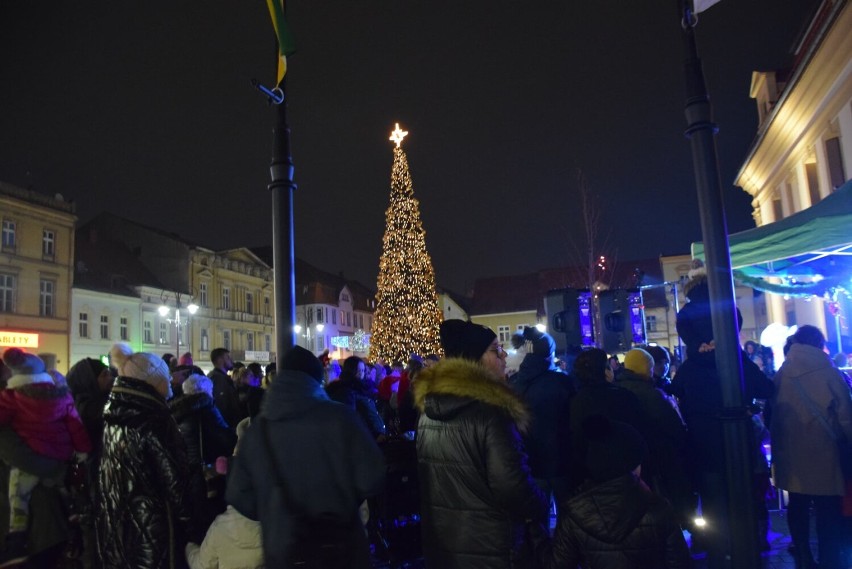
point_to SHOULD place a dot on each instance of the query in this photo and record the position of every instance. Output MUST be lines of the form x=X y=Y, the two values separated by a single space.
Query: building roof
x=523 y=293
x=108 y=266
x=315 y=286
x=56 y=202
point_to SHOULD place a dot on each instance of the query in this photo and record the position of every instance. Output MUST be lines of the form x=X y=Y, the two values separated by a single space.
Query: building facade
x=803 y=148
x=36 y=273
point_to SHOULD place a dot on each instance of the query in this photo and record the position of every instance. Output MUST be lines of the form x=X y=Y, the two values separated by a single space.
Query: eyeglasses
x=498 y=349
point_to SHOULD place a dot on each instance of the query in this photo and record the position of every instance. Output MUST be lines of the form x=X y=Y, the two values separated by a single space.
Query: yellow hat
x=639 y=362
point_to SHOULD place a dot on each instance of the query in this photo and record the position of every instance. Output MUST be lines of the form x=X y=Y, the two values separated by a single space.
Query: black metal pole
x=741 y=525
x=283 y=252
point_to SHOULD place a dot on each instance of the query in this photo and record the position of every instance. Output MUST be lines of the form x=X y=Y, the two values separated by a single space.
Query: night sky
x=150 y=113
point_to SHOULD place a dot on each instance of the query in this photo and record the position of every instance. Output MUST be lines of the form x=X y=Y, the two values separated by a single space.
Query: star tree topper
x=397 y=135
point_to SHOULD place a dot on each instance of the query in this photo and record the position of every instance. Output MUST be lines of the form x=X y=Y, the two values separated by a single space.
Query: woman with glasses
x=475 y=483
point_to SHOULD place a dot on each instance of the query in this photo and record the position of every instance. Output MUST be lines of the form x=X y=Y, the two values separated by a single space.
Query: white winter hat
x=26 y=368
x=145 y=367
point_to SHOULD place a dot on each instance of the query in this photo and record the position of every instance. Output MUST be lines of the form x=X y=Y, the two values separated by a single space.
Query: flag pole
x=739 y=531
x=282 y=188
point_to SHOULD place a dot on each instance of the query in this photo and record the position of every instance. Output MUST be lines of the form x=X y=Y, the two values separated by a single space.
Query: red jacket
x=386 y=384
x=44 y=415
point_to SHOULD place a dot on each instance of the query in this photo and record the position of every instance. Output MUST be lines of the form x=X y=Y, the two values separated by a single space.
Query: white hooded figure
x=515 y=353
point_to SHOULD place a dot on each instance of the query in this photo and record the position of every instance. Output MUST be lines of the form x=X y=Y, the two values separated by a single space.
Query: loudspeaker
x=623 y=318
x=569 y=317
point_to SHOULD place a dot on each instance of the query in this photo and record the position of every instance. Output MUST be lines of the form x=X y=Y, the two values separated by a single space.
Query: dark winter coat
x=142 y=481
x=201 y=423
x=327 y=458
x=225 y=397
x=665 y=431
x=548 y=394
x=351 y=392
x=250 y=399
x=619 y=524
x=89 y=399
x=699 y=395
x=601 y=398
x=475 y=482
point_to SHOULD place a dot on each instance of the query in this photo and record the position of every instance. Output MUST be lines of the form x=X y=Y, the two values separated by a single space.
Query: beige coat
x=804 y=455
x=232 y=542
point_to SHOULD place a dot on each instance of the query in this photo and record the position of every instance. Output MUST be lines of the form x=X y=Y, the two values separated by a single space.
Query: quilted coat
x=142 y=481
x=805 y=457
x=619 y=524
x=475 y=483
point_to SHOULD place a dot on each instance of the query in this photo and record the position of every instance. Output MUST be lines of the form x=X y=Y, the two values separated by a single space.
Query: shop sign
x=10 y=339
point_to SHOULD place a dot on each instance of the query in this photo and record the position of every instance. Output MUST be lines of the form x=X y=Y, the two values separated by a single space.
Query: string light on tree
x=407 y=318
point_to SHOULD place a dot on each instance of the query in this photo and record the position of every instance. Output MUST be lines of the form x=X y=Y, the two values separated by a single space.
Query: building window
x=250 y=341
x=104 y=327
x=226 y=298
x=345 y=298
x=147 y=331
x=834 y=157
x=83 y=325
x=268 y=342
x=46 y=298
x=320 y=343
x=650 y=323
x=319 y=315
x=48 y=243
x=226 y=339
x=334 y=316
x=164 y=333
x=348 y=319
x=7 y=293
x=503 y=333
x=202 y=294
x=205 y=340
x=266 y=306
x=9 y=227
x=123 y=329
x=249 y=303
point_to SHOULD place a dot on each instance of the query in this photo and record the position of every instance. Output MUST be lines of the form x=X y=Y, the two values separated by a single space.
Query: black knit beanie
x=467 y=340
x=300 y=359
x=614 y=448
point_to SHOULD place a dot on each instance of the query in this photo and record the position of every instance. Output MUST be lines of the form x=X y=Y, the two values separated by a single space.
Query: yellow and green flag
x=286 y=45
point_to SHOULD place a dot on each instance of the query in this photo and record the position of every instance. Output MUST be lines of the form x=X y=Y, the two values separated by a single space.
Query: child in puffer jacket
x=40 y=409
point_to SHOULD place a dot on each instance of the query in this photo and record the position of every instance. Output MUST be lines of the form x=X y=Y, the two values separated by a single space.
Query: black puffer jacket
x=142 y=481
x=619 y=524
x=201 y=424
x=475 y=483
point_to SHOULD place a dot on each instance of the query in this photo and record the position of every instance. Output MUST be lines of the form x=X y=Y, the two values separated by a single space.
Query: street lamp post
x=297 y=329
x=191 y=308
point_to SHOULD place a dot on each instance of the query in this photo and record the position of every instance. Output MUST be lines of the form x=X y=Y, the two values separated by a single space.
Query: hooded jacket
x=548 y=394
x=805 y=457
x=232 y=542
x=619 y=524
x=43 y=414
x=144 y=505
x=201 y=425
x=476 y=487
x=328 y=460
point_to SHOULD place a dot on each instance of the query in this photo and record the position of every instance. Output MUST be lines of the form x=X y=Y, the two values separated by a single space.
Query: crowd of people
x=151 y=463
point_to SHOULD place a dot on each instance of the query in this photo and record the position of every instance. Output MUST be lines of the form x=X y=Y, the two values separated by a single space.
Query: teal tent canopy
x=815 y=242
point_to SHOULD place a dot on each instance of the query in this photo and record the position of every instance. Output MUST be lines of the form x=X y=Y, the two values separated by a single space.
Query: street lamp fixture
x=191 y=309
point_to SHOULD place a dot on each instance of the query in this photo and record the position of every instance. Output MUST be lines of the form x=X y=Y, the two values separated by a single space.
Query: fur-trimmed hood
x=463 y=382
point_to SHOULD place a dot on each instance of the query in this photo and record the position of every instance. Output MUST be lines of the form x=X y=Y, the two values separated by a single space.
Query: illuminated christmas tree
x=407 y=317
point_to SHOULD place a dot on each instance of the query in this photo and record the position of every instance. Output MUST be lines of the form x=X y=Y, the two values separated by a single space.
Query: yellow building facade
x=36 y=273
